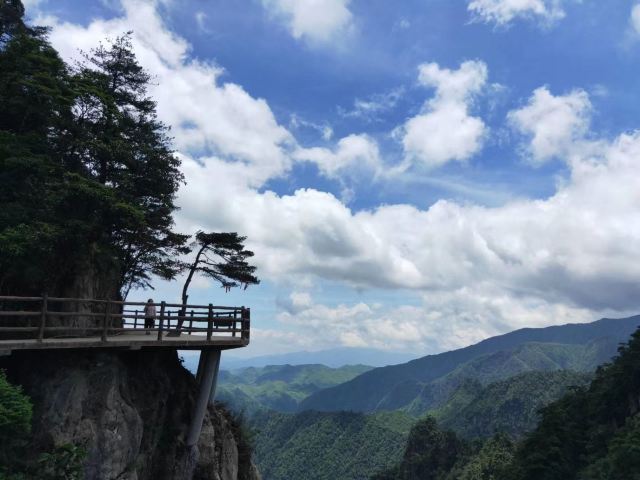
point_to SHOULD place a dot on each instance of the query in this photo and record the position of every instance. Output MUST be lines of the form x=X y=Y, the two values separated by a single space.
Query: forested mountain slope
x=348 y=446
x=279 y=387
x=328 y=445
x=528 y=357
x=590 y=433
x=509 y=406
x=397 y=385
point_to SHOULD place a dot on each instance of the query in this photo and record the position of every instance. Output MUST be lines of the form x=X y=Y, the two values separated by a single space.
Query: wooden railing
x=41 y=318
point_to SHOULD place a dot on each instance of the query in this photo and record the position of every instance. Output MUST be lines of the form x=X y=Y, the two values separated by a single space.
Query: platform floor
x=134 y=341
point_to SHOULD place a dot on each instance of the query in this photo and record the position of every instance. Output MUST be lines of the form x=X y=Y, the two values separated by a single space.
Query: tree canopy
x=89 y=178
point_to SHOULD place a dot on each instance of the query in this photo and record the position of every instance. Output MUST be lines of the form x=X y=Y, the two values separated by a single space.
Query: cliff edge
x=130 y=411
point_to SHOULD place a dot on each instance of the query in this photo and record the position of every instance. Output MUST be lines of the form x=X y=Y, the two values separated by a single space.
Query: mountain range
x=413 y=385
x=334 y=358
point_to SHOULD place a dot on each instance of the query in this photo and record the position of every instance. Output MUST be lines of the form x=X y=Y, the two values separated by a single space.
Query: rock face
x=131 y=412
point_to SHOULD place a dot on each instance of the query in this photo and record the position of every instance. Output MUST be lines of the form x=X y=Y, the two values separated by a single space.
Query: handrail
x=105 y=319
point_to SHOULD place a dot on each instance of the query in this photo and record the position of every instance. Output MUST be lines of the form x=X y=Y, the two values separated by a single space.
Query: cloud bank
x=477 y=270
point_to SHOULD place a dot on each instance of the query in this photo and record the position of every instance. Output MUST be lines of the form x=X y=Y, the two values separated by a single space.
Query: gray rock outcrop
x=130 y=411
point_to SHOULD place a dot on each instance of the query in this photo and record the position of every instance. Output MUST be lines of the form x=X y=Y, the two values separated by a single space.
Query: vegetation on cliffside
x=19 y=458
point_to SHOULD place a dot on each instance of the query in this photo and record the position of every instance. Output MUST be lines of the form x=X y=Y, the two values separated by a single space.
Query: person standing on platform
x=149 y=315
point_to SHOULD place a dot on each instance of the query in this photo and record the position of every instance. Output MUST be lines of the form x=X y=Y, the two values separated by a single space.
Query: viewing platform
x=30 y=323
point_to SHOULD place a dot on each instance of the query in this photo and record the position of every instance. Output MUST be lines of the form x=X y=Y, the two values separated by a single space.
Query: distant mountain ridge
x=398 y=386
x=334 y=358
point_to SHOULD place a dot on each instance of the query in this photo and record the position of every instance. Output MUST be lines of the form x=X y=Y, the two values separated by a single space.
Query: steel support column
x=210 y=360
x=212 y=393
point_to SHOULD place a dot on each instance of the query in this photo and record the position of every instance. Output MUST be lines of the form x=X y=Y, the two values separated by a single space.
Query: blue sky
x=413 y=175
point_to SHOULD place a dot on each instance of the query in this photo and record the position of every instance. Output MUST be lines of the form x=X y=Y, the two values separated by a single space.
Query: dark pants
x=149 y=322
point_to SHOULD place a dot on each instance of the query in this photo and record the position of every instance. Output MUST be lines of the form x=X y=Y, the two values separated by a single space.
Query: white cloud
x=480 y=270
x=503 y=12
x=351 y=153
x=209 y=116
x=580 y=247
x=555 y=124
x=369 y=109
x=635 y=18
x=443 y=321
x=444 y=131
x=206 y=114
x=314 y=20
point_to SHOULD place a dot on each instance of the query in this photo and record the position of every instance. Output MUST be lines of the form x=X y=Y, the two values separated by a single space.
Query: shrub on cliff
x=15 y=424
x=64 y=462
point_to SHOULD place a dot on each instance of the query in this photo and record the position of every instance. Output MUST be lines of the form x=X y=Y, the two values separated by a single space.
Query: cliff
x=130 y=411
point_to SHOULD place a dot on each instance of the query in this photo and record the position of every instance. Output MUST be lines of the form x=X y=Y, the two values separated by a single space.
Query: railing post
x=43 y=317
x=135 y=319
x=191 y=322
x=105 y=320
x=246 y=323
x=235 y=326
x=169 y=320
x=210 y=322
x=162 y=306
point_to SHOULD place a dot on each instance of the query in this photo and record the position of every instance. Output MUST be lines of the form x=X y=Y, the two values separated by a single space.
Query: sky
x=412 y=175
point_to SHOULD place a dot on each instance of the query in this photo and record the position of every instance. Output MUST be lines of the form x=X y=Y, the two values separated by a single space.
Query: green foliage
x=16 y=412
x=510 y=406
x=327 y=446
x=592 y=432
x=222 y=257
x=280 y=387
x=430 y=454
x=622 y=459
x=89 y=179
x=64 y=463
x=492 y=461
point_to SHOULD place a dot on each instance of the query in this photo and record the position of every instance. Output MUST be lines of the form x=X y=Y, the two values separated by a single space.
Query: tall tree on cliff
x=89 y=179
x=222 y=257
x=125 y=148
x=36 y=97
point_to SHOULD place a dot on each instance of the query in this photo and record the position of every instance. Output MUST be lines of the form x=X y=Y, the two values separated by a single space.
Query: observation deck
x=34 y=323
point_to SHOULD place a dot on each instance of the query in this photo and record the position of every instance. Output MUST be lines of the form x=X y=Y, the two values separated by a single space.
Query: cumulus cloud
x=444 y=130
x=578 y=247
x=503 y=12
x=353 y=152
x=314 y=20
x=442 y=321
x=479 y=270
x=554 y=124
x=205 y=113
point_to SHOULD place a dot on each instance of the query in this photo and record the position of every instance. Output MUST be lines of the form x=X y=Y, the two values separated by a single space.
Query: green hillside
x=510 y=406
x=328 y=446
x=529 y=357
x=279 y=387
x=320 y=444
x=396 y=386
x=590 y=433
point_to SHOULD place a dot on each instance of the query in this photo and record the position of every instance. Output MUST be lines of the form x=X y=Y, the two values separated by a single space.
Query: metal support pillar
x=210 y=360
x=200 y=363
x=212 y=394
